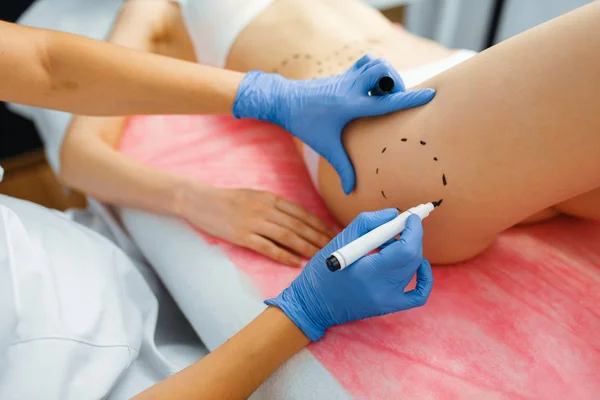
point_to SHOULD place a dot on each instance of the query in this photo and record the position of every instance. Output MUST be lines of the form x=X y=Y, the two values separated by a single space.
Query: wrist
x=257 y=94
x=292 y=332
x=294 y=308
x=186 y=192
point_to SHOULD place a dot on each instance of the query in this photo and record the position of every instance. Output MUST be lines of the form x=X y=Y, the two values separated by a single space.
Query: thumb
x=343 y=166
x=400 y=101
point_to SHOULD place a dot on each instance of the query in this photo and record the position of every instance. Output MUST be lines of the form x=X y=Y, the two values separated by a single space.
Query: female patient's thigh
x=584 y=206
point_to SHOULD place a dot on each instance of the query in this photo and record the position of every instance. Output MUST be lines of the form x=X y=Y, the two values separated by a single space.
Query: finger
x=367 y=221
x=307 y=219
x=406 y=253
x=371 y=64
x=285 y=237
x=304 y=231
x=399 y=101
x=397 y=260
x=386 y=244
x=419 y=295
x=412 y=236
x=416 y=98
x=364 y=60
x=269 y=249
x=344 y=168
x=373 y=72
x=363 y=223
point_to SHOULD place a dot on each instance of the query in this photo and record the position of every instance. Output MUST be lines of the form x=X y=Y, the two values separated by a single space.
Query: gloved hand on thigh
x=316 y=111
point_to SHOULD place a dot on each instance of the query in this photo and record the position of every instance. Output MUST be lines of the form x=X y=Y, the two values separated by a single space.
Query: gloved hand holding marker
x=374 y=239
x=372 y=286
x=316 y=111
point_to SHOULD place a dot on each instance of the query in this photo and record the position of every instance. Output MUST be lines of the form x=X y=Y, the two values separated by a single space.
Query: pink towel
x=521 y=321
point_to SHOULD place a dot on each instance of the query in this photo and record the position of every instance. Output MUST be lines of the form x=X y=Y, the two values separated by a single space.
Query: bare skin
x=235 y=369
x=497 y=125
x=491 y=171
x=67 y=72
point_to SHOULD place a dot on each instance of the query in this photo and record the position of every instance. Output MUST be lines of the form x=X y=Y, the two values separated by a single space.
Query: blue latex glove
x=372 y=286
x=316 y=111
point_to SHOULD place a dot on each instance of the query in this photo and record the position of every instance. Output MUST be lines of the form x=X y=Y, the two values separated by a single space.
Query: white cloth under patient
x=411 y=77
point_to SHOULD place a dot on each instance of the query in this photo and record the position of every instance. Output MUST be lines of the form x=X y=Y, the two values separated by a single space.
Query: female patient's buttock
x=411 y=78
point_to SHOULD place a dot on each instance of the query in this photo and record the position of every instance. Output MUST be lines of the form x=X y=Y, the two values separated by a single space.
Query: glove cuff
x=291 y=307
x=255 y=97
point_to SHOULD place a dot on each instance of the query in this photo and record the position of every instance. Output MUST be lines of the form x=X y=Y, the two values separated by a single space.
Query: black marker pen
x=385 y=85
x=372 y=240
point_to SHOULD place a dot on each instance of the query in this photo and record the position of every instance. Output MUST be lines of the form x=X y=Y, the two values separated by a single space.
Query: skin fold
x=503 y=132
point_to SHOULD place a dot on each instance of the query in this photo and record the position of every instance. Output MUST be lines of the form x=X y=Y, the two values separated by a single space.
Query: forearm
x=315 y=301
x=238 y=367
x=90 y=77
x=91 y=165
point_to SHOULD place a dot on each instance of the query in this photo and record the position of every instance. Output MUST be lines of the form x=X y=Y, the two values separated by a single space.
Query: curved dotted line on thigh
x=435 y=159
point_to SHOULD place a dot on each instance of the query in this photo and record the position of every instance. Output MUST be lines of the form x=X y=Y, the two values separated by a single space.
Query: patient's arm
x=512 y=131
x=91 y=163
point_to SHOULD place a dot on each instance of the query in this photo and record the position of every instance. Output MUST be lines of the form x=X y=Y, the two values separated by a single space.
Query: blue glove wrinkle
x=296 y=311
x=255 y=97
x=316 y=111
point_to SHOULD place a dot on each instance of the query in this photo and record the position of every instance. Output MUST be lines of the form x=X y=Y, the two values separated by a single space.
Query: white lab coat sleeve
x=73 y=307
x=8 y=311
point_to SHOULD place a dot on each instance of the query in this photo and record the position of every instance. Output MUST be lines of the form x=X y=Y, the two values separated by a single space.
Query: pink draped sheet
x=522 y=321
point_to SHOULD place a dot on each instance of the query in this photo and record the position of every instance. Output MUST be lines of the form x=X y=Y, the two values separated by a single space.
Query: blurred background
x=470 y=24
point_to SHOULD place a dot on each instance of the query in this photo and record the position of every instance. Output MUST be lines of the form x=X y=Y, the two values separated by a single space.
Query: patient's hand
x=258 y=220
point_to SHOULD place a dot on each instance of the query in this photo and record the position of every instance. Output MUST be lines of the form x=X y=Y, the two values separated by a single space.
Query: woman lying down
x=512 y=136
